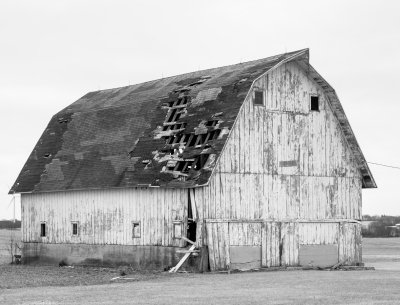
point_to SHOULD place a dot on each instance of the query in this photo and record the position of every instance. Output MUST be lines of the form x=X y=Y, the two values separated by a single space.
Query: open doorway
x=191 y=222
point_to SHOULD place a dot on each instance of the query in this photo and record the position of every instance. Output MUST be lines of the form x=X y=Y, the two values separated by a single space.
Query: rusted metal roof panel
x=124 y=137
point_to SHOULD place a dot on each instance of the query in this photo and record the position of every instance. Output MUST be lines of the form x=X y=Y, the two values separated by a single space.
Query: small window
x=74 y=228
x=259 y=97
x=136 y=229
x=314 y=103
x=178 y=229
x=43 y=229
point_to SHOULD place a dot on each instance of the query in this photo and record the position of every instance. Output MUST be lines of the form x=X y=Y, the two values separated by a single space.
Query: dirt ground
x=80 y=285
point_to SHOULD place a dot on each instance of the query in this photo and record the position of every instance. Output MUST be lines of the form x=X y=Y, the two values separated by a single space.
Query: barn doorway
x=191 y=221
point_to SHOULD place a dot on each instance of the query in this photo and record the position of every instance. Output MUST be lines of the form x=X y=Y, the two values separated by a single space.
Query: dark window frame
x=259 y=97
x=43 y=229
x=177 y=224
x=75 y=228
x=136 y=230
x=314 y=102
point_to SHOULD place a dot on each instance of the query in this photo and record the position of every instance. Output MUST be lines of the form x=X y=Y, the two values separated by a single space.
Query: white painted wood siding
x=105 y=216
x=283 y=161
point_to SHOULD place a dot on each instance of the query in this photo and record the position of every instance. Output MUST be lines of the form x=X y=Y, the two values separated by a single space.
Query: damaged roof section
x=167 y=132
x=163 y=133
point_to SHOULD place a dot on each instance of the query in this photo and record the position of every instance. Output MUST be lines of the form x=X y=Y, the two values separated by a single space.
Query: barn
x=255 y=163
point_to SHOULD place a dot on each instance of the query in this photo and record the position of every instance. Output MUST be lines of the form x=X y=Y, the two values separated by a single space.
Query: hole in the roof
x=212 y=123
x=192 y=141
x=47 y=155
x=201 y=161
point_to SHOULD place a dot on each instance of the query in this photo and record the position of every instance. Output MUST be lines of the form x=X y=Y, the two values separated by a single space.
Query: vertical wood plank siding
x=285 y=163
x=285 y=178
x=106 y=216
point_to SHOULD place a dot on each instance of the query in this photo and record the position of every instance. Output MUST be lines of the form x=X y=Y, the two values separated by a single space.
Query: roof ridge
x=209 y=69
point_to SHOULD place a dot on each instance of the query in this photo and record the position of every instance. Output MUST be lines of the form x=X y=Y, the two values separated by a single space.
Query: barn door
x=234 y=245
x=280 y=244
x=319 y=244
x=245 y=245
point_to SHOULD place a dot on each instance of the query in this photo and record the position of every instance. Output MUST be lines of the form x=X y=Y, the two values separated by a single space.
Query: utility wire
x=396 y=167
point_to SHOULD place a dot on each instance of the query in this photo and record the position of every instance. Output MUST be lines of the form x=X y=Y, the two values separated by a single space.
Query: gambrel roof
x=163 y=133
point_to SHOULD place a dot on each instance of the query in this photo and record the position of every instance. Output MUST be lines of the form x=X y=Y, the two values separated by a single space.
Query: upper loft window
x=314 y=103
x=259 y=97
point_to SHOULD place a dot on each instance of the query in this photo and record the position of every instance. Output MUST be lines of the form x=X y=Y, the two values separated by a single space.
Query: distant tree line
x=10 y=224
x=380 y=226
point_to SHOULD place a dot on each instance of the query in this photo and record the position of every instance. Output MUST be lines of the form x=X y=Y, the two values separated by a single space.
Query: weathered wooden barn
x=256 y=161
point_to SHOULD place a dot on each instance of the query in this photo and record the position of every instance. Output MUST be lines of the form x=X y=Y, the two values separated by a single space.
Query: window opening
x=259 y=97
x=314 y=103
x=74 y=228
x=191 y=227
x=178 y=229
x=135 y=229
x=43 y=229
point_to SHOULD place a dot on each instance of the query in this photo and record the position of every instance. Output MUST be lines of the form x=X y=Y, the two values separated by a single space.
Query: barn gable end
x=287 y=177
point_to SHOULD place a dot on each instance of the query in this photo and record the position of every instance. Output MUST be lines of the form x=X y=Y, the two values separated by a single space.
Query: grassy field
x=79 y=285
x=382 y=253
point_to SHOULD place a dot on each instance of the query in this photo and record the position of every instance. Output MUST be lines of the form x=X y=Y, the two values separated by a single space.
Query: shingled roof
x=167 y=132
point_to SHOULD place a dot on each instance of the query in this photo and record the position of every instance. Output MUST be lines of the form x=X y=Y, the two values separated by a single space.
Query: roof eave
x=368 y=180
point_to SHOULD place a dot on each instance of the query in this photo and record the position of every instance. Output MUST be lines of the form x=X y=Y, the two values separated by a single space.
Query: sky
x=53 y=52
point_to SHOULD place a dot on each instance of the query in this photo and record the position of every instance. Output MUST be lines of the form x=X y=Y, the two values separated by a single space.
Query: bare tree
x=14 y=246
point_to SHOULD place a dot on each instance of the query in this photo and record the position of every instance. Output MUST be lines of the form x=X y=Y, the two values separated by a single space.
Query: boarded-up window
x=135 y=229
x=43 y=229
x=177 y=229
x=259 y=97
x=75 y=228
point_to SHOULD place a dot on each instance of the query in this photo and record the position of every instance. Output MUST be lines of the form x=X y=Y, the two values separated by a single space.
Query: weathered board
x=232 y=243
x=288 y=165
x=245 y=257
x=286 y=180
x=318 y=255
x=106 y=216
x=283 y=160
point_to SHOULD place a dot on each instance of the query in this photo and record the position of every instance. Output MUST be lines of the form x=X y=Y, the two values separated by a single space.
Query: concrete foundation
x=140 y=257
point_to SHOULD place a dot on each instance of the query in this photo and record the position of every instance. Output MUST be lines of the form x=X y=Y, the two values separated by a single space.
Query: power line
x=391 y=166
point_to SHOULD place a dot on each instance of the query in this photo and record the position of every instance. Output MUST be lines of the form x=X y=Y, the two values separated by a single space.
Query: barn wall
x=105 y=216
x=290 y=169
x=283 y=161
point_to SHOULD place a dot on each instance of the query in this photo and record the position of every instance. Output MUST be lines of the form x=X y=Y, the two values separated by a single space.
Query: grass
x=80 y=285
x=20 y=276
x=291 y=287
x=5 y=237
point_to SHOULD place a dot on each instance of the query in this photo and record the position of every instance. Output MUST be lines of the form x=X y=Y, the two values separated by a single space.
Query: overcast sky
x=53 y=52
